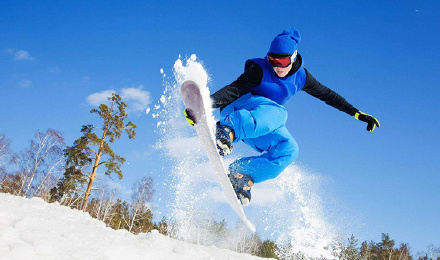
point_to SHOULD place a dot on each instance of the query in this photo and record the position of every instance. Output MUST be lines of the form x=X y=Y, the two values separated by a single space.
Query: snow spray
x=287 y=210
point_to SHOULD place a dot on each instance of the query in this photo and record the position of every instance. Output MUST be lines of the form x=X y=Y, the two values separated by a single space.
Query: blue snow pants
x=260 y=123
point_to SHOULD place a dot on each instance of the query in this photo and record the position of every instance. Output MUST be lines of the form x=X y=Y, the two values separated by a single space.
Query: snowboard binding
x=242 y=184
x=224 y=136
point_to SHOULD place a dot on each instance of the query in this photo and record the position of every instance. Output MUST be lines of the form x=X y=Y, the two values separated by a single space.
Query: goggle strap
x=293 y=57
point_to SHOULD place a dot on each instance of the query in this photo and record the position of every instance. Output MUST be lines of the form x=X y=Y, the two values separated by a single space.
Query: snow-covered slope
x=34 y=229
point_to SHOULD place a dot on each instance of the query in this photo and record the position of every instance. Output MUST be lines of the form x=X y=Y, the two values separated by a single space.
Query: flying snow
x=288 y=209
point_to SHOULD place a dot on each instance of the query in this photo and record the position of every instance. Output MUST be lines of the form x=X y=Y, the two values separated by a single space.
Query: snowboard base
x=196 y=105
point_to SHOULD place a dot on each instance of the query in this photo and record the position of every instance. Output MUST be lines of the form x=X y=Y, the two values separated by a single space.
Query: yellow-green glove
x=372 y=122
x=189 y=117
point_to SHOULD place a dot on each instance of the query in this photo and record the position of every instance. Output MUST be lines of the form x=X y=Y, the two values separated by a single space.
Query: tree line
x=67 y=175
x=38 y=168
x=386 y=249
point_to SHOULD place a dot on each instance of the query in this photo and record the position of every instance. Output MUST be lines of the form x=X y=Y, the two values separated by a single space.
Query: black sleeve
x=316 y=89
x=250 y=78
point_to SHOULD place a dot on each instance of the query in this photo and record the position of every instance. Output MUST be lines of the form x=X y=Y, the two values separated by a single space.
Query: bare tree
x=108 y=204
x=5 y=150
x=142 y=193
x=102 y=202
x=403 y=252
x=240 y=238
x=38 y=164
x=434 y=252
x=50 y=179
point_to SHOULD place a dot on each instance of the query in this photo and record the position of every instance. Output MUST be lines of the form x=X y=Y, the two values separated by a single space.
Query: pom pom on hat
x=285 y=42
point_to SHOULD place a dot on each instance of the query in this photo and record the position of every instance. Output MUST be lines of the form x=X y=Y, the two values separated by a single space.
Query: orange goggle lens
x=279 y=62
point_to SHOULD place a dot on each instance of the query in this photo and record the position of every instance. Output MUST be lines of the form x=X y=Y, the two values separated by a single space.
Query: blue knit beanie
x=285 y=42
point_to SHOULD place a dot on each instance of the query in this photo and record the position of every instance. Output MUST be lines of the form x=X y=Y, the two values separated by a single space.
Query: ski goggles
x=282 y=62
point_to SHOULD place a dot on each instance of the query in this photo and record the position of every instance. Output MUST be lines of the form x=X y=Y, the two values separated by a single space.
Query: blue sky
x=382 y=56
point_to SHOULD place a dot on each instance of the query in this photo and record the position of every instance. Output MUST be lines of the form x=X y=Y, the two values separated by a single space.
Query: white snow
x=162 y=99
x=34 y=229
x=194 y=70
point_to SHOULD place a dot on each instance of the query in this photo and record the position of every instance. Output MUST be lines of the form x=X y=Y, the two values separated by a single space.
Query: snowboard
x=193 y=99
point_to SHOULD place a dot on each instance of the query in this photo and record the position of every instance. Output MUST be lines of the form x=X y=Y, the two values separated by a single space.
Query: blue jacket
x=260 y=79
x=275 y=88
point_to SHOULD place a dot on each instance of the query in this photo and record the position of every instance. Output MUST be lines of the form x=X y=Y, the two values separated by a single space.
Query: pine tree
x=220 y=231
x=143 y=223
x=384 y=250
x=386 y=247
x=162 y=226
x=350 y=252
x=365 y=253
x=119 y=215
x=268 y=249
x=91 y=151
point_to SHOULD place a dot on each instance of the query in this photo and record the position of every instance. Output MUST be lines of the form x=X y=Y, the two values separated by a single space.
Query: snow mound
x=34 y=229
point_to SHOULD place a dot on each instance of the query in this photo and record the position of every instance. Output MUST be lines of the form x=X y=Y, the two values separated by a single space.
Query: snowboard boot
x=242 y=184
x=224 y=136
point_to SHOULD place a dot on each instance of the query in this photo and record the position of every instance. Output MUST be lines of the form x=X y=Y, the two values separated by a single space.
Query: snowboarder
x=252 y=111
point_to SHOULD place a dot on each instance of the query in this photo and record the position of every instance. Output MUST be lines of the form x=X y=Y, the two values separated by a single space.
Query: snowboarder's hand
x=189 y=117
x=372 y=122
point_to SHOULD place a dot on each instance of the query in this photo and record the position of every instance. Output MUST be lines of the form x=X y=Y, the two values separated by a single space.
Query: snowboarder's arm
x=250 y=78
x=316 y=89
